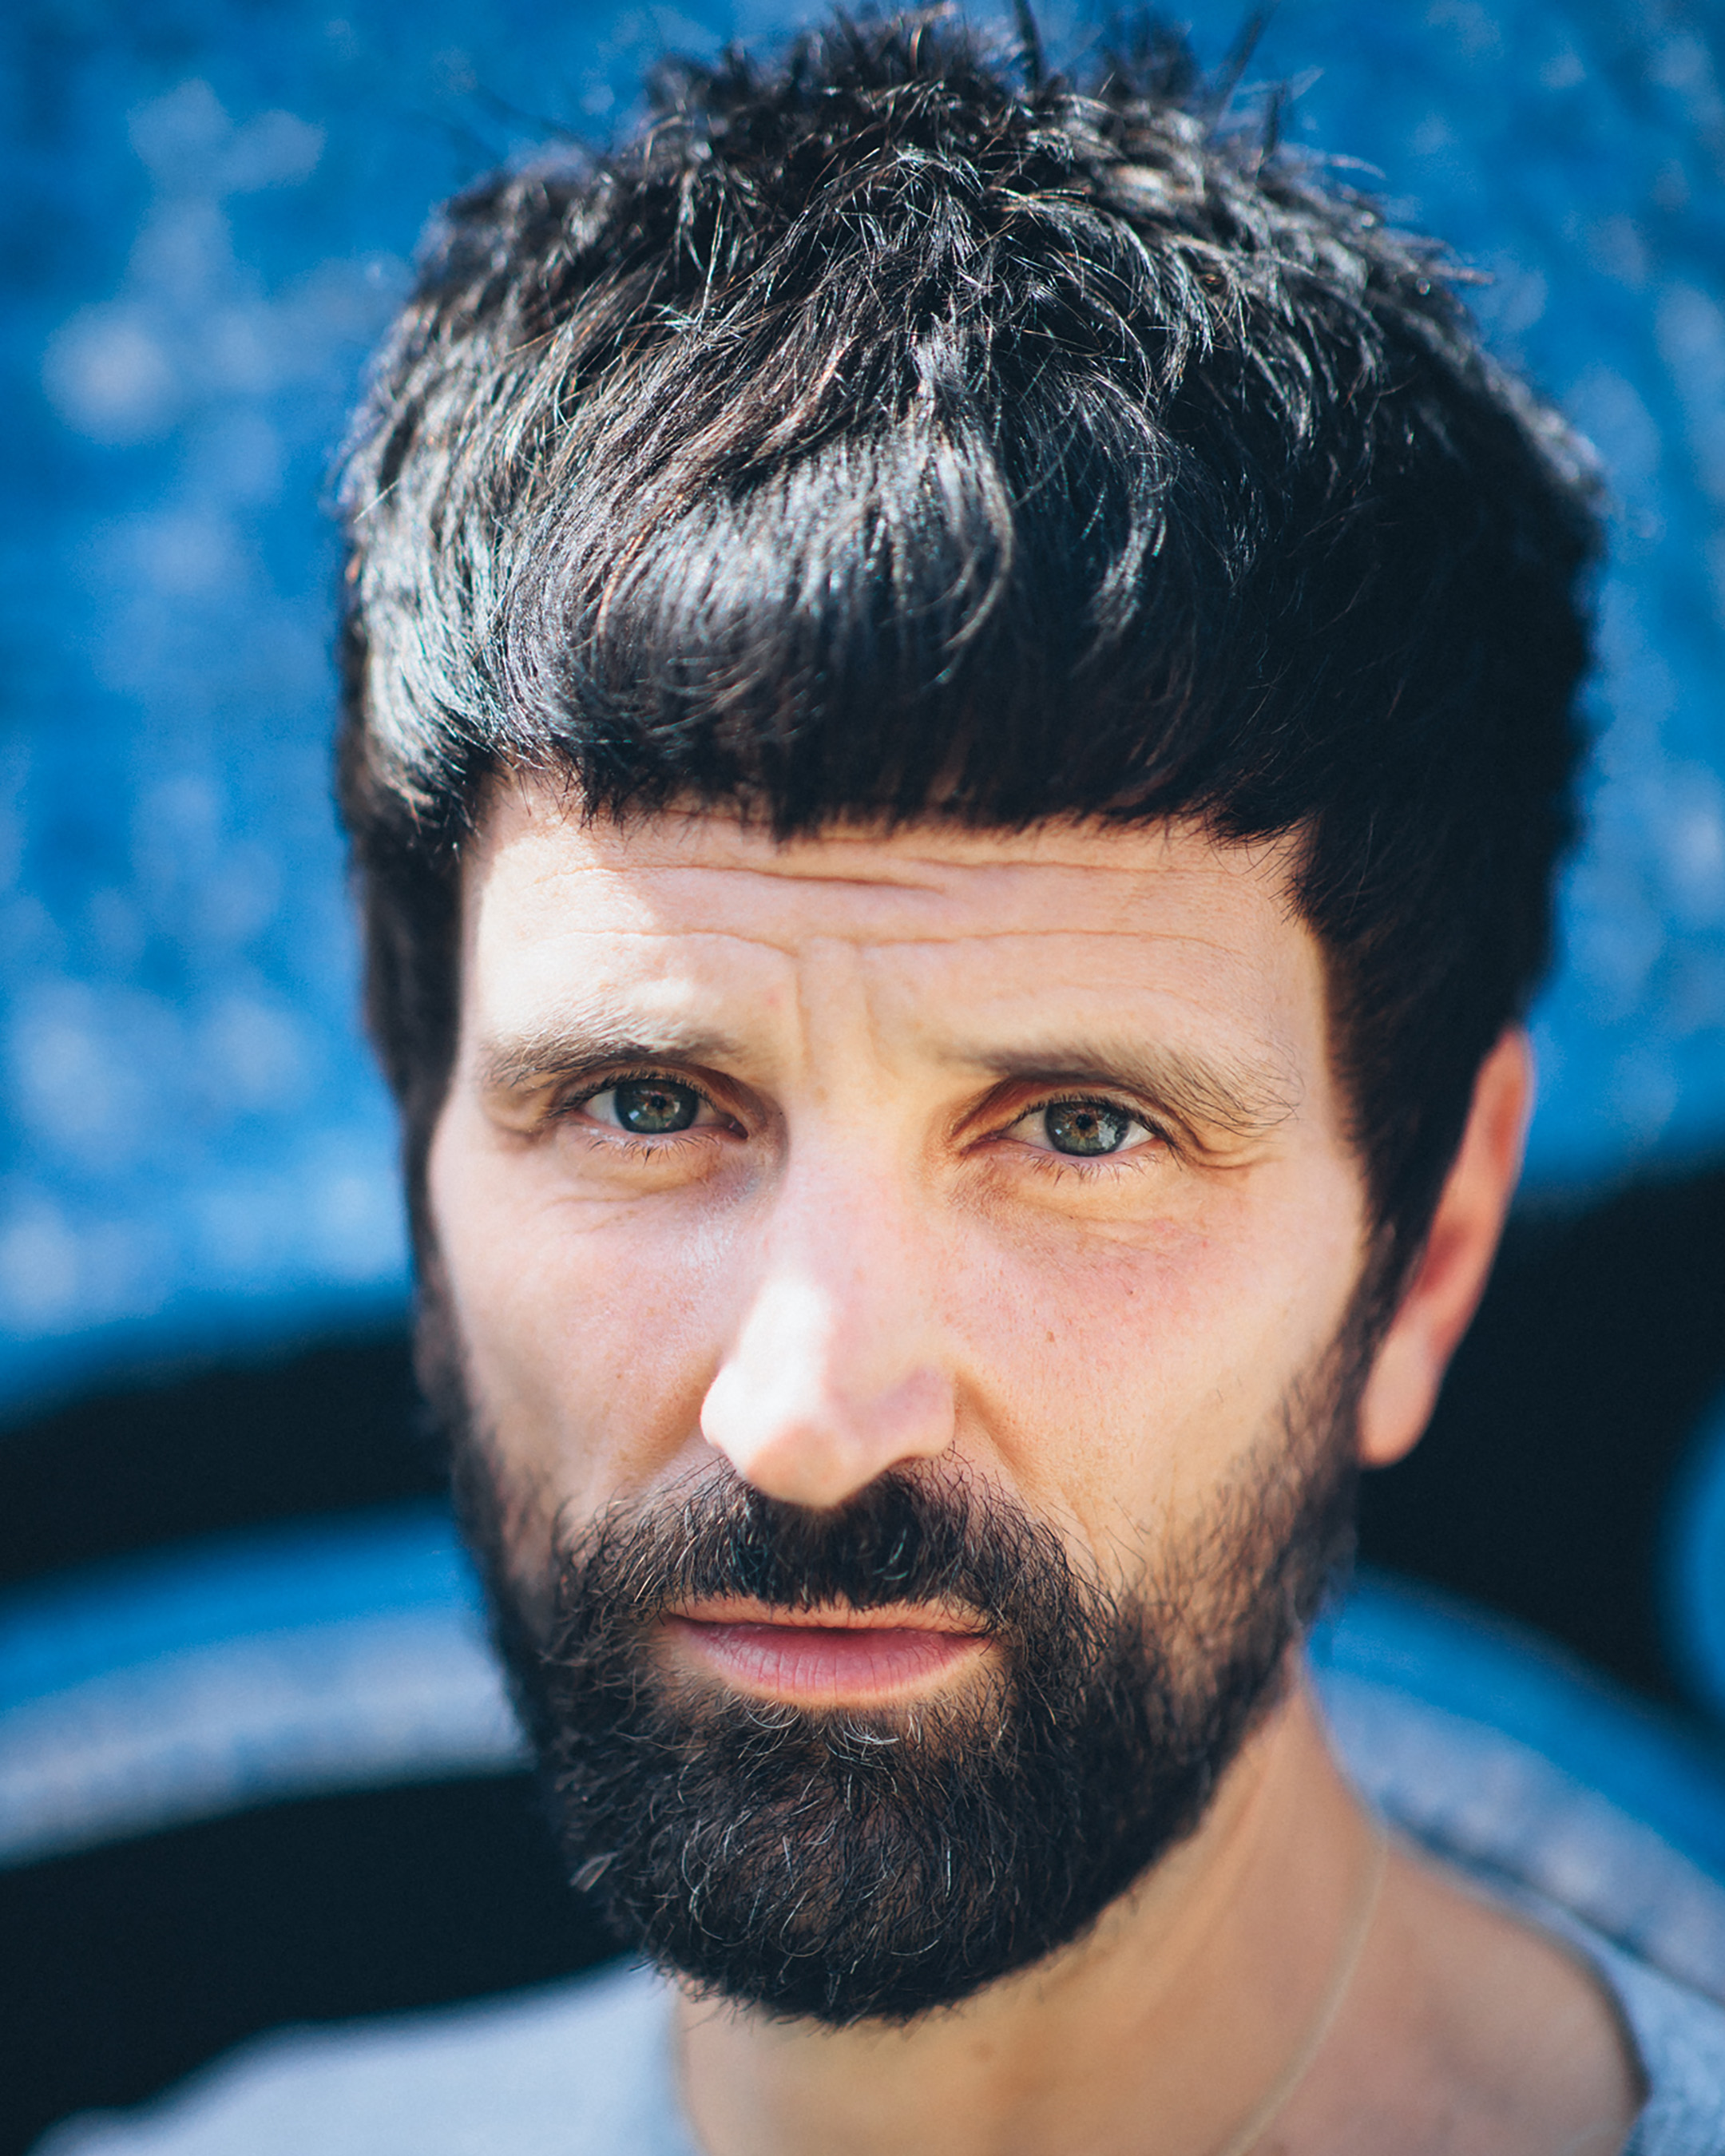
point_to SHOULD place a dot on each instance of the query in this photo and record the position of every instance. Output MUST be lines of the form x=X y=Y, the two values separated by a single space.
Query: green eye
x=653 y=1107
x=1086 y=1126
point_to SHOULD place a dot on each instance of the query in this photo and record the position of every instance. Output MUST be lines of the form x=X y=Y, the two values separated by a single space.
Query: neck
x=1181 y=2006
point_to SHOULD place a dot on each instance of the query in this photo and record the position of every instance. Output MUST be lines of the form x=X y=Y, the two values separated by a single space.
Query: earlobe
x=1440 y=1300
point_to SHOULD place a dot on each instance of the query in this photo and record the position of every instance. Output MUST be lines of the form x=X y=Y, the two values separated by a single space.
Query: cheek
x=591 y=1331
x=1121 y=1384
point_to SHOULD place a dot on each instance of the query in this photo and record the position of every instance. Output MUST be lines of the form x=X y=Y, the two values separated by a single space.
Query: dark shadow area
x=127 y=1967
x=327 y=1429
x=1543 y=1491
x=1543 y=1487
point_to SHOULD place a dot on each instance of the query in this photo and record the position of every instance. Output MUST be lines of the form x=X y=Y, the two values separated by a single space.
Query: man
x=960 y=714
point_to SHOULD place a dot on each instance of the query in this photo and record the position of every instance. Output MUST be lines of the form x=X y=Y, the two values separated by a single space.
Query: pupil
x=650 y=1107
x=1084 y=1126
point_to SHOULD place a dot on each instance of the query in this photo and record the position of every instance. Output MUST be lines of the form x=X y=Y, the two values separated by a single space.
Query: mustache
x=916 y=1536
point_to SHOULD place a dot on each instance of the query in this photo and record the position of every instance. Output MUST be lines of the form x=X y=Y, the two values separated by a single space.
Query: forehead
x=561 y=909
x=918 y=881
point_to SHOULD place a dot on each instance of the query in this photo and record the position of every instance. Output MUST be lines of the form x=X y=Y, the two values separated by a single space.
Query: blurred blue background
x=210 y=208
x=246 y=1709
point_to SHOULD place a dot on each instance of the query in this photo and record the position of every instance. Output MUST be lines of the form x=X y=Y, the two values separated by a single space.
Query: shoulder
x=1567 y=1806
x=580 y=2070
x=1679 y=2036
x=1533 y=1776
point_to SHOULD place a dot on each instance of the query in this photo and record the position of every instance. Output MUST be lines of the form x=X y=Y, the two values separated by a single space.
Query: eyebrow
x=515 y=1061
x=1234 y=1100
x=1202 y=1094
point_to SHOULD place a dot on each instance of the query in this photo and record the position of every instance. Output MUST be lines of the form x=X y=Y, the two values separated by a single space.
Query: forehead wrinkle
x=1244 y=1086
x=1124 y=898
x=862 y=936
x=928 y=847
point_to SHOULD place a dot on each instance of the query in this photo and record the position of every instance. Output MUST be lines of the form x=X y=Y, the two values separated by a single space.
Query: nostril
x=799 y=1470
x=821 y=1451
x=824 y=1388
x=920 y=1415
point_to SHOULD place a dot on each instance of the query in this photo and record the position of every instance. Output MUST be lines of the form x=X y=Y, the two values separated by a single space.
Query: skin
x=868 y=1251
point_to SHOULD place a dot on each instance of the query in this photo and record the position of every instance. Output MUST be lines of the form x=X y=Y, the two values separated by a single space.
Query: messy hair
x=892 y=431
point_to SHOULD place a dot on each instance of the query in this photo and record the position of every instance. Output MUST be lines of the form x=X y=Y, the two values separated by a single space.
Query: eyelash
x=1136 y=1158
x=634 y=1146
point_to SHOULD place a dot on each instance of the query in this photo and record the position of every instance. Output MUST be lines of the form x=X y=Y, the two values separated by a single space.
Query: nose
x=834 y=1374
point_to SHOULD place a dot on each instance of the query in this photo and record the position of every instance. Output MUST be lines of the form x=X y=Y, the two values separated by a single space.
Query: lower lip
x=825 y=1664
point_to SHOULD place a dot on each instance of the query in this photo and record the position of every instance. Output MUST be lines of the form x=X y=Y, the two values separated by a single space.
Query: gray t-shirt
x=584 y=2069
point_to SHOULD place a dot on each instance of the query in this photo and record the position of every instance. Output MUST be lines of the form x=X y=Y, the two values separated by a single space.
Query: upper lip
x=830 y=1616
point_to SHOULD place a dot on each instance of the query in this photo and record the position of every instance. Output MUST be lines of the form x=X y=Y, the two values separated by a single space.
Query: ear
x=1451 y=1276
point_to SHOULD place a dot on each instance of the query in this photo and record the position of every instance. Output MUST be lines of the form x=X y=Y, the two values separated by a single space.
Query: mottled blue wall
x=208 y=206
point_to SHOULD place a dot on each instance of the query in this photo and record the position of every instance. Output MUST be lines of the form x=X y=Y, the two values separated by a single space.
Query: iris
x=653 y=1107
x=1085 y=1126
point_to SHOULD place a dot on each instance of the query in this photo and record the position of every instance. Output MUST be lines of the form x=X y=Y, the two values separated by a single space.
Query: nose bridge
x=845 y=1232
x=835 y=1371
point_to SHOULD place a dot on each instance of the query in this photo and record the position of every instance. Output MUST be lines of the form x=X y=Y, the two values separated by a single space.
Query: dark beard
x=854 y=1865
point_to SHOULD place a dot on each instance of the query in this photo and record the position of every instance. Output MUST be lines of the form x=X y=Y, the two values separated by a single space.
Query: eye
x=649 y=1107
x=1083 y=1129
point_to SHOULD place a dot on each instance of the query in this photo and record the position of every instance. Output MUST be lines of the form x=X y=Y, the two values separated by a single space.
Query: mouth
x=824 y=1657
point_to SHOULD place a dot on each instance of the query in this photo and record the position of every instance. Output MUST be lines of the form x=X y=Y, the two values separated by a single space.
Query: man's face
x=898 y=1285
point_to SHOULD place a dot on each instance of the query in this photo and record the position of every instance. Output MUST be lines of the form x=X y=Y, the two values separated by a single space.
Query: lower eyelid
x=1150 y=1141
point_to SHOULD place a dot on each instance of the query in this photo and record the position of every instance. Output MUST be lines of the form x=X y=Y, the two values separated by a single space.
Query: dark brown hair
x=880 y=436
